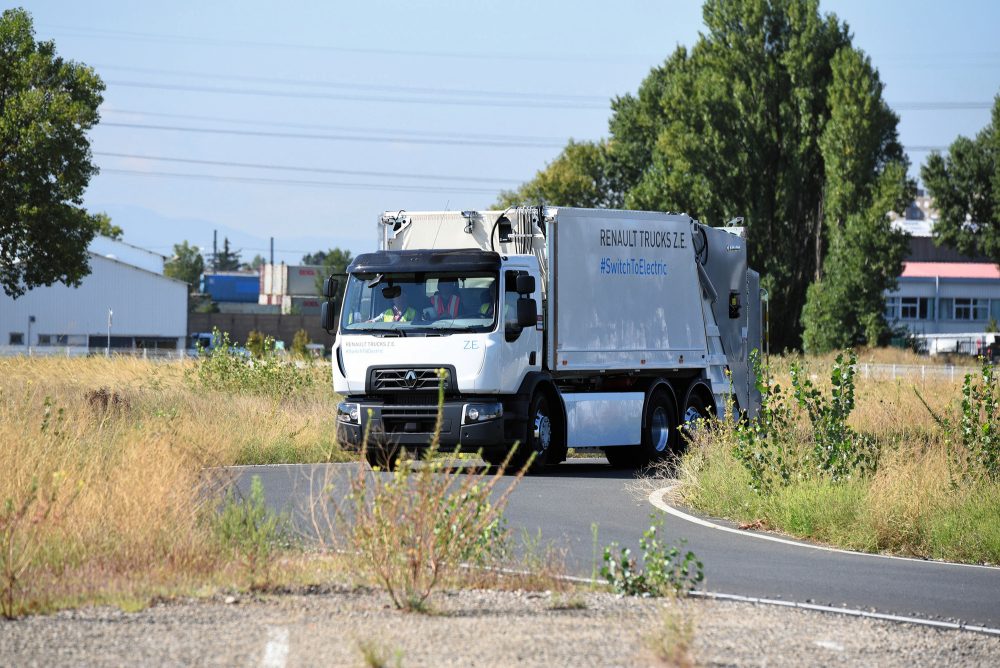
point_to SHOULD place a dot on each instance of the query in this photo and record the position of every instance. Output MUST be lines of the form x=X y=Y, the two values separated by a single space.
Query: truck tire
x=659 y=435
x=541 y=437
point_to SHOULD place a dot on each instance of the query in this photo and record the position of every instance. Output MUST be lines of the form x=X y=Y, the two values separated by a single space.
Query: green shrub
x=664 y=569
x=771 y=446
x=251 y=530
x=979 y=427
x=299 y=343
x=227 y=368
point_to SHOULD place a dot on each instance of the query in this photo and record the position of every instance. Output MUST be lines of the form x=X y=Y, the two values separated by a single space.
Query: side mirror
x=331 y=287
x=527 y=311
x=525 y=284
x=328 y=316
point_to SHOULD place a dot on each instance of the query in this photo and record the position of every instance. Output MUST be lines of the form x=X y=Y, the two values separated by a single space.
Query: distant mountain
x=156 y=232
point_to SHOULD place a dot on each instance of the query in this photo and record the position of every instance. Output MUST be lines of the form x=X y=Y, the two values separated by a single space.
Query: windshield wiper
x=395 y=332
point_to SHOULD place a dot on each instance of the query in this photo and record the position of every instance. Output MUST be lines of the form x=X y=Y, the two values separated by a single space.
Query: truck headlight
x=481 y=412
x=349 y=413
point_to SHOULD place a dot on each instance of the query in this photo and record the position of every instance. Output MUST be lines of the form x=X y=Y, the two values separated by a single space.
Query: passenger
x=446 y=301
x=488 y=306
x=400 y=311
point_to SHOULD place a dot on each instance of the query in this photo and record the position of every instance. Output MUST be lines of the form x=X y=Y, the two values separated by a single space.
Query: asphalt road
x=565 y=503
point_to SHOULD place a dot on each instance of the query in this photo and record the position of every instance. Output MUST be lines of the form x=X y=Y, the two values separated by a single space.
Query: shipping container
x=301 y=305
x=231 y=287
x=284 y=279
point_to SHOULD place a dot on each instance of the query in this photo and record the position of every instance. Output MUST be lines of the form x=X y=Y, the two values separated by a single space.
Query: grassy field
x=103 y=466
x=911 y=493
x=107 y=493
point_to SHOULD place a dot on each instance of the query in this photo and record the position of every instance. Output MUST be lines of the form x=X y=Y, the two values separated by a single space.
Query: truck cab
x=422 y=326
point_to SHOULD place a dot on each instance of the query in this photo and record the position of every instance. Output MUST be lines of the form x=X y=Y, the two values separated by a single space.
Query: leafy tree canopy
x=579 y=176
x=47 y=105
x=105 y=227
x=334 y=261
x=186 y=264
x=749 y=122
x=965 y=186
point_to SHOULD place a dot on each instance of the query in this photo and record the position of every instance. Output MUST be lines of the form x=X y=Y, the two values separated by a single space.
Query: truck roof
x=458 y=259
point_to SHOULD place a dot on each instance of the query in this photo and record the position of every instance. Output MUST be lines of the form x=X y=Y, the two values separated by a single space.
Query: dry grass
x=671 y=643
x=108 y=455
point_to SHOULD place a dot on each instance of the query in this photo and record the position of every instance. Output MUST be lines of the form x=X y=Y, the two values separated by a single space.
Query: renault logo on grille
x=410 y=378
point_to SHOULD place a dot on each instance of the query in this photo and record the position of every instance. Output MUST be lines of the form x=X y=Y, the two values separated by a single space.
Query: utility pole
x=272 y=251
x=31 y=319
x=215 y=251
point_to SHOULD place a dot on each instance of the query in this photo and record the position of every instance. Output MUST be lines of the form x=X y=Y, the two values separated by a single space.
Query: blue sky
x=415 y=105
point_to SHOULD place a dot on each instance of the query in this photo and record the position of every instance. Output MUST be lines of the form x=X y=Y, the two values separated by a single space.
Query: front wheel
x=541 y=437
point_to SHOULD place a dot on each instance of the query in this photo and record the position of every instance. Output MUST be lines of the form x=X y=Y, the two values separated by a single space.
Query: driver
x=400 y=311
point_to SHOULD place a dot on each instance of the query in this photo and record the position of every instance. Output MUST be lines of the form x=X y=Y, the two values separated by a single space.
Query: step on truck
x=548 y=328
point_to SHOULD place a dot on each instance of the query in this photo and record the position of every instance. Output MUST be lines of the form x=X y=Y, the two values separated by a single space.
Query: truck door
x=522 y=346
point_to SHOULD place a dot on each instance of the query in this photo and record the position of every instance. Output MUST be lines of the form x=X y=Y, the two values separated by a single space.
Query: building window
x=971 y=309
x=17 y=338
x=916 y=308
x=53 y=339
x=891 y=309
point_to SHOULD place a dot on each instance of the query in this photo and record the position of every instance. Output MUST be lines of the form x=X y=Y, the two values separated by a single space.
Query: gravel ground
x=472 y=628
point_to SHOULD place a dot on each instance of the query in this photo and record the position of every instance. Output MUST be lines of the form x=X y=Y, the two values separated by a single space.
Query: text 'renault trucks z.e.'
x=549 y=327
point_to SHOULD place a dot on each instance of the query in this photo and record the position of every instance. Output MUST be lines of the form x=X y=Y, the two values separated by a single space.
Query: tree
x=865 y=178
x=316 y=258
x=47 y=106
x=845 y=307
x=255 y=264
x=186 y=264
x=733 y=126
x=226 y=259
x=965 y=186
x=335 y=261
x=102 y=223
x=579 y=176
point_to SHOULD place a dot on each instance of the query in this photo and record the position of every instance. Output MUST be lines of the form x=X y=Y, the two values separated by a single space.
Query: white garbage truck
x=548 y=328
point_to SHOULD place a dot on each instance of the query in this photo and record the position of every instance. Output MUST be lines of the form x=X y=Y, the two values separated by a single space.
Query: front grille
x=410 y=399
x=407 y=380
x=411 y=421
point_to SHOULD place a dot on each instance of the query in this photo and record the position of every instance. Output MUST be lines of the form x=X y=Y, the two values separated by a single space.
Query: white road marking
x=276 y=649
x=656 y=498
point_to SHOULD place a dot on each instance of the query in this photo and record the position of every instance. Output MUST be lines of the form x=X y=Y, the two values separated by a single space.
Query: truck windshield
x=419 y=303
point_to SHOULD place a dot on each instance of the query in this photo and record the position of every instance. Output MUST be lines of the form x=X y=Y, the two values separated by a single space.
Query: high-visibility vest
x=449 y=308
x=390 y=315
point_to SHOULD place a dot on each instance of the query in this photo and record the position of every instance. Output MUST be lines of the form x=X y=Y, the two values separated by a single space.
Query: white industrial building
x=148 y=311
x=945 y=299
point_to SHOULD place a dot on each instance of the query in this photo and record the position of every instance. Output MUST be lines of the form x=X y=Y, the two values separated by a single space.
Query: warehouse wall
x=145 y=304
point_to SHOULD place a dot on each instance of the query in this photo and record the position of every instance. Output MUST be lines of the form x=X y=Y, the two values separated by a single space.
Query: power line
x=940 y=106
x=328 y=137
x=408 y=90
x=295 y=182
x=335 y=128
x=223 y=90
x=208 y=41
x=320 y=170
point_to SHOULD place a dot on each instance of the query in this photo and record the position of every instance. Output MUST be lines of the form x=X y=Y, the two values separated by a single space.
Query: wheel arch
x=541 y=382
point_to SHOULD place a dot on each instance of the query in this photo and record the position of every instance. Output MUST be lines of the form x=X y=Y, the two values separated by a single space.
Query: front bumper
x=413 y=426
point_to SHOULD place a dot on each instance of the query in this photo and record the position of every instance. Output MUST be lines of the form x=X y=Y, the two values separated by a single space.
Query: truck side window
x=512 y=331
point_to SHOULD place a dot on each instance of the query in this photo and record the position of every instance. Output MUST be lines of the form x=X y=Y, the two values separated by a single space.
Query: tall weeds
x=103 y=460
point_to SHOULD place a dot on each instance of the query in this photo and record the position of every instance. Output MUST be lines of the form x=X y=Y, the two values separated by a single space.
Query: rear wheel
x=659 y=435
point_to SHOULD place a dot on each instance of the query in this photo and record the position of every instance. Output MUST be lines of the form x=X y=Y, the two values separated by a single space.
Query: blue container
x=243 y=288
